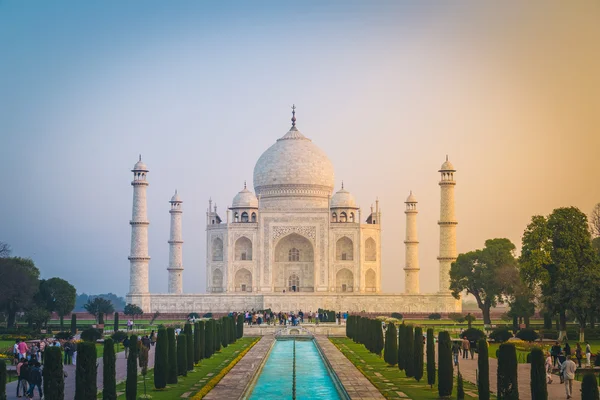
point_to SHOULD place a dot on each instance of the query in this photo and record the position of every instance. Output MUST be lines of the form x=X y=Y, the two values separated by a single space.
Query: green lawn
x=195 y=380
x=390 y=380
x=6 y=345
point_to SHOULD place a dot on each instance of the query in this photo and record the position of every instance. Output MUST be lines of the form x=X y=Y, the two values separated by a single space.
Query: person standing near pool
x=588 y=355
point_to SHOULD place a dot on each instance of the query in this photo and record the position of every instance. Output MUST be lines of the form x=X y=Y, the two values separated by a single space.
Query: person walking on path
x=455 y=352
x=549 y=367
x=465 y=347
x=578 y=354
x=35 y=379
x=588 y=355
x=567 y=349
x=126 y=346
x=22 y=375
x=555 y=351
x=568 y=369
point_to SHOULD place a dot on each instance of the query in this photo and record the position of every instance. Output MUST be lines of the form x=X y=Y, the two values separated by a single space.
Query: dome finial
x=293 y=115
x=244 y=184
x=140 y=158
x=342 y=185
x=446 y=157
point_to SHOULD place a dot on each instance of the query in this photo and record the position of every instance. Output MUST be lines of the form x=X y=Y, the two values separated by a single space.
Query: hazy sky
x=201 y=89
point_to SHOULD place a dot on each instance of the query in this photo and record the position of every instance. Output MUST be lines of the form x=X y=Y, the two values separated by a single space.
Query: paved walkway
x=121 y=373
x=233 y=385
x=555 y=390
x=355 y=383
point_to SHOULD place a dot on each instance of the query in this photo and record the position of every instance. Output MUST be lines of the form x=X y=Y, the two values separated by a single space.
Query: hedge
x=171 y=356
x=483 y=365
x=430 y=357
x=539 y=390
x=445 y=369
x=201 y=337
x=182 y=354
x=390 y=355
x=54 y=380
x=508 y=385
x=161 y=359
x=109 y=389
x=189 y=336
x=528 y=335
x=589 y=387
x=86 y=371
x=500 y=335
x=401 y=347
x=131 y=382
x=409 y=368
x=208 y=339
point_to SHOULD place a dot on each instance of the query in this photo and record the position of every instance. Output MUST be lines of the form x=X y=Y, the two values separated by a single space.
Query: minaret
x=411 y=268
x=138 y=259
x=447 y=225
x=175 y=247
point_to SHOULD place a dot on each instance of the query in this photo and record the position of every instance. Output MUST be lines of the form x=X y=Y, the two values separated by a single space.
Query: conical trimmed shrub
x=182 y=354
x=217 y=335
x=390 y=355
x=3 y=379
x=418 y=354
x=171 y=356
x=224 y=332
x=508 y=385
x=539 y=390
x=73 y=324
x=445 y=369
x=131 y=381
x=116 y=321
x=240 y=326
x=109 y=387
x=483 y=364
x=201 y=338
x=460 y=389
x=401 y=347
x=589 y=387
x=209 y=346
x=409 y=368
x=430 y=357
x=86 y=371
x=196 y=343
x=161 y=359
x=189 y=335
x=54 y=380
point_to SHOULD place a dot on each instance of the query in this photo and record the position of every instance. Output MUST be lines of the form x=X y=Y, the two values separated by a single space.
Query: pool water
x=312 y=377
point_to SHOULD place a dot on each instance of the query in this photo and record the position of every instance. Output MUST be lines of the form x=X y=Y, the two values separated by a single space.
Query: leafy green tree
x=109 y=359
x=508 y=385
x=98 y=306
x=133 y=311
x=19 y=278
x=558 y=259
x=131 y=381
x=409 y=368
x=418 y=353
x=182 y=354
x=189 y=335
x=390 y=355
x=589 y=387
x=37 y=316
x=59 y=296
x=470 y=318
x=522 y=302
x=172 y=356
x=161 y=359
x=86 y=372
x=445 y=369
x=487 y=274
x=54 y=380
x=430 y=357
x=539 y=390
x=483 y=364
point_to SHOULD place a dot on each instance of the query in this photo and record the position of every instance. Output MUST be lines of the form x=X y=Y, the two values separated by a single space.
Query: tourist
x=555 y=351
x=465 y=347
x=548 y=367
x=310 y=317
x=567 y=349
x=146 y=342
x=126 y=346
x=561 y=360
x=42 y=348
x=16 y=352
x=472 y=347
x=588 y=355
x=74 y=351
x=338 y=318
x=35 y=379
x=301 y=315
x=23 y=349
x=317 y=318
x=129 y=325
x=152 y=338
x=68 y=351
x=456 y=350
x=568 y=369
x=578 y=354
x=22 y=376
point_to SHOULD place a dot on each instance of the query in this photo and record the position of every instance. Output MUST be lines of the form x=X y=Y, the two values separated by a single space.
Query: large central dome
x=293 y=167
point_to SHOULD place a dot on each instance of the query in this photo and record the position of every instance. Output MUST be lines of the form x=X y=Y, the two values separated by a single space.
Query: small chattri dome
x=175 y=198
x=447 y=166
x=343 y=199
x=245 y=199
x=140 y=166
x=411 y=198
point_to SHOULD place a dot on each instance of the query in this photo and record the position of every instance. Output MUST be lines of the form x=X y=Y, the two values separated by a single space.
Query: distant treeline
x=118 y=302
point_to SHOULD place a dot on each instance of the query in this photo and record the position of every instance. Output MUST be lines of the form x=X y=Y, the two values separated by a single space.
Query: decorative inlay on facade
x=281 y=231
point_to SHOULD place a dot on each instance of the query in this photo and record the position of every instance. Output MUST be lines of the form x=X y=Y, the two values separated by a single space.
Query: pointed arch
x=243 y=280
x=217 y=280
x=370 y=280
x=243 y=249
x=344 y=249
x=344 y=280
x=370 y=250
x=217 y=249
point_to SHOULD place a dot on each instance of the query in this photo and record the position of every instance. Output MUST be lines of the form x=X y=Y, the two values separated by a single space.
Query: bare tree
x=595 y=221
x=4 y=250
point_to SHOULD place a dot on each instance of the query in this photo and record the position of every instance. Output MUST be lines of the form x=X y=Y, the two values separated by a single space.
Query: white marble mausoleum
x=293 y=244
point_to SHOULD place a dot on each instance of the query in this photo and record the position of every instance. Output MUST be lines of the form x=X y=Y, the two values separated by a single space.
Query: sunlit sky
x=511 y=92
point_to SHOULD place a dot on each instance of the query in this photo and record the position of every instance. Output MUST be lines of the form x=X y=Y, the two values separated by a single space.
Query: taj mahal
x=293 y=244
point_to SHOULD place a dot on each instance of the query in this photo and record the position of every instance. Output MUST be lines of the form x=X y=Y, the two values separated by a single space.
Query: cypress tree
x=54 y=380
x=445 y=369
x=430 y=358
x=217 y=335
x=240 y=326
x=3 y=379
x=232 y=335
x=508 y=386
x=171 y=356
x=409 y=368
x=109 y=389
x=589 y=387
x=378 y=326
x=224 y=332
x=390 y=355
x=418 y=354
x=73 y=324
x=189 y=347
x=85 y=372
x=208 y=339
x=161 y=359
x=196 y=343
x=131 y=382
x=201 y=336
x=483 y=384
x=460 y=389
x=182 y=354
x=116 y=321
x=539 y=391
x=401 y=343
